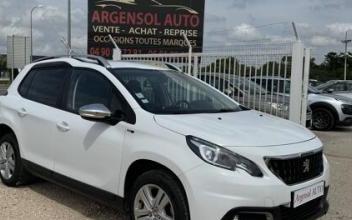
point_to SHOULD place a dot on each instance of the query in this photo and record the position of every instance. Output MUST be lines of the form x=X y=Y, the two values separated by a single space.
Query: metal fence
x=268 y=77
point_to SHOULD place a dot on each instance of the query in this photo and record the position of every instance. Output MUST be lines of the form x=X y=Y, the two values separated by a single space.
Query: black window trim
x=130 y=114
x=42 y=66
x=61 y=103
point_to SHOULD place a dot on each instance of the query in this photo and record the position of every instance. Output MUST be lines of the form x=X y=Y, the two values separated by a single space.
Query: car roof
x=108 y=63
x=137 y=65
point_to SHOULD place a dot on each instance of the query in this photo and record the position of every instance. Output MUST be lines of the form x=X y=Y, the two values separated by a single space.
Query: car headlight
x=279 y=106
x=221 y=157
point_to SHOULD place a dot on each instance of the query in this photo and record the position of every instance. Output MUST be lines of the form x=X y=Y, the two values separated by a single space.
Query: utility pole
x=69 y=24
x=346 y=42
x=31 y=28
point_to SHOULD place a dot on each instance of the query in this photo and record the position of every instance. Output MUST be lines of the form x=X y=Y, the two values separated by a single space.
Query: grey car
x=251 y=95
x=329 y=109
x=336 y=86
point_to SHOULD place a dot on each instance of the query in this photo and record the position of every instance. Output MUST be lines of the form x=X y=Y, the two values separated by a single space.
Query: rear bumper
x=309 y=211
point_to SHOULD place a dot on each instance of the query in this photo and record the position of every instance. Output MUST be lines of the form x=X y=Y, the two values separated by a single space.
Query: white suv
x=166 y=144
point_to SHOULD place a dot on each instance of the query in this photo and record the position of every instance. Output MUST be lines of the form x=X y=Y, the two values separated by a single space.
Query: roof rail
x=46 y=58
x=83 y=58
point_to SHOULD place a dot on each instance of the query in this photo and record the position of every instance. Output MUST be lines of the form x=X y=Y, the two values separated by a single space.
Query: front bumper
x=346 y=122
x=214 y=193
x=309 y=211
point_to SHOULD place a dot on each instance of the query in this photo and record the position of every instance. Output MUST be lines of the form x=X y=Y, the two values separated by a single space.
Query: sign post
x=18 y=52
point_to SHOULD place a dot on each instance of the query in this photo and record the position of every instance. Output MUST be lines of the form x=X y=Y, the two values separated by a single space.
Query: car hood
x=347 y=96
x=237 y=129
x=341 y=97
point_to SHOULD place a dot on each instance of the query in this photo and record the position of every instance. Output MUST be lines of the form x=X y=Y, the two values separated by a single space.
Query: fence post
x=189 y=53
x=195 y=66
x=305 y=86
x=296 y=82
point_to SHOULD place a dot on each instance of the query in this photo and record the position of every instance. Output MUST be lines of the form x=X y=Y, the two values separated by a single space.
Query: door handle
x=22 y=112
x=63 y=126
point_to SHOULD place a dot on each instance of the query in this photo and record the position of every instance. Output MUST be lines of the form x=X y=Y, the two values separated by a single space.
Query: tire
x=158 y=183
x=12 y=172
x=323 y=119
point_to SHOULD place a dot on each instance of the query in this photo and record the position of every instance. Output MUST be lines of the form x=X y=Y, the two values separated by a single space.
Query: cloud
x=321 y=23
x=49 y=25
x=212 y=18
x=331 y=4
x=339 y=28
x=323 y=41
x=245 y=32
x=242 y=4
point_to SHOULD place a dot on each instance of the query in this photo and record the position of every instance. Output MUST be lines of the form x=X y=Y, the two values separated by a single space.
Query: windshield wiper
x=227 y=110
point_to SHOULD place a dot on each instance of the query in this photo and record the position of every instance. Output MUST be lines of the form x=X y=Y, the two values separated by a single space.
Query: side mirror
x=95 y=112
x=330 y=90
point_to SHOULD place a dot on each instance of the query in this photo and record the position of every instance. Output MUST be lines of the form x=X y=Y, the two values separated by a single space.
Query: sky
x=321 y=24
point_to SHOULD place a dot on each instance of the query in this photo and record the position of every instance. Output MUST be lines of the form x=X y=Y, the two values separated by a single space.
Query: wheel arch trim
x=326 y=105
x=157 y=159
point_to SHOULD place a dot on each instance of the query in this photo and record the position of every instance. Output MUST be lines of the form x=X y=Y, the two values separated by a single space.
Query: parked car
x=252 y=95
x=166 y=144
x=336 y=86
x=329 y=110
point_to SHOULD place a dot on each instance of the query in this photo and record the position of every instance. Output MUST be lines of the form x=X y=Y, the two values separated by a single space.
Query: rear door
x=37 y=107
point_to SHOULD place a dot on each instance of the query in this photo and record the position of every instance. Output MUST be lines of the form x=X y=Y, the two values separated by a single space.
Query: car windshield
x=170 y=92
x=325 y=85
x=249 y=86
x=313 y=90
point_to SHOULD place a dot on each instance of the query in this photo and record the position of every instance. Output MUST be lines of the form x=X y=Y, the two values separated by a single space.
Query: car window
x=90 y=87
x=26 y=83
x=45 y=86
x=170 y=92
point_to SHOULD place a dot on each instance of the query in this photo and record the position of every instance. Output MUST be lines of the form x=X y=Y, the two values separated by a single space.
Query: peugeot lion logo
x=306 y=166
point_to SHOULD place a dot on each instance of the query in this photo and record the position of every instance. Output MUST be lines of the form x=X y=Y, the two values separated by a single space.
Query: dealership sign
x=144 y=26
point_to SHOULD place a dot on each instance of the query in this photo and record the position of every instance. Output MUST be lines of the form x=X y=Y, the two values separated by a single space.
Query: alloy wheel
x=152 y=203
x=7 y=160
x=321 y=120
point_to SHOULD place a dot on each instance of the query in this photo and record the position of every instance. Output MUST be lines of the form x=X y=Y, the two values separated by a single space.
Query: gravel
x=43 y=200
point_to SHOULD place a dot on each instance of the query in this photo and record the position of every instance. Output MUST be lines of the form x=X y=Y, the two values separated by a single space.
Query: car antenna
x=66 y=45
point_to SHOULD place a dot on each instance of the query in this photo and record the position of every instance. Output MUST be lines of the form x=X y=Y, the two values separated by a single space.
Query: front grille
x=298 y=169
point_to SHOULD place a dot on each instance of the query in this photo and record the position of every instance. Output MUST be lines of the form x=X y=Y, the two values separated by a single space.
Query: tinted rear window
x=44 y=85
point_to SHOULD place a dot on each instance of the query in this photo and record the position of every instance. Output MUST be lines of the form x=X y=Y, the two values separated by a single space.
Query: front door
x=87 y=151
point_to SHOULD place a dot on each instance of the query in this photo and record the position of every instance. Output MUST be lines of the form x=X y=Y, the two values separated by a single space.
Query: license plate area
x=307 y=194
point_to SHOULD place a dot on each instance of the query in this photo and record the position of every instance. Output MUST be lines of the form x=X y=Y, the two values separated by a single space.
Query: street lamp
x=33 y=9
x=346 y=42
x=69 y=24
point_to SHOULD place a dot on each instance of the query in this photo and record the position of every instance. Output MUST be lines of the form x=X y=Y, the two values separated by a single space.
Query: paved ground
x=338 y=147
x=44 y=201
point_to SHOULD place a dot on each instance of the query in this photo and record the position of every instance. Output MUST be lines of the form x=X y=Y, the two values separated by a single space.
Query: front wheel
x=157 y=195
x=12 y=172
x=323 y=119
